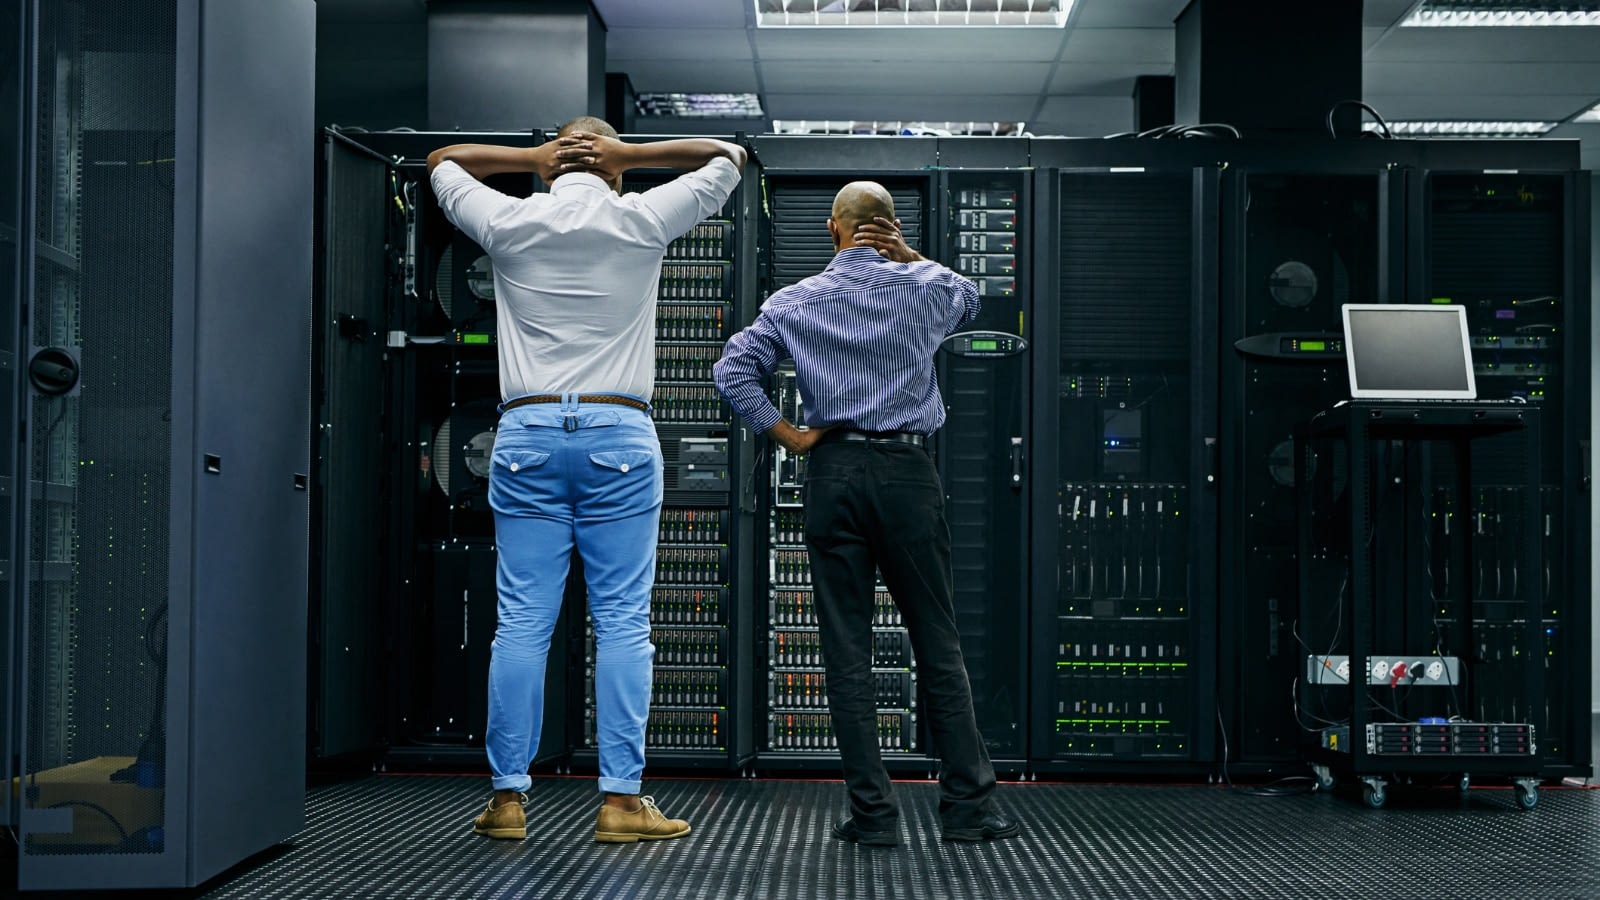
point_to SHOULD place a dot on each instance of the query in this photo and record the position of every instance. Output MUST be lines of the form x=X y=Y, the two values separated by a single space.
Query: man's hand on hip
x=796 y=440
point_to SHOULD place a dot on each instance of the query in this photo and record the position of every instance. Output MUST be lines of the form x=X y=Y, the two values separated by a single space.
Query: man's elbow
x=734 y=153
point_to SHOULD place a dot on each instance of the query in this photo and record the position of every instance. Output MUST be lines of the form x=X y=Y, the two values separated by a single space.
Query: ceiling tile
x=1105 y=78
x=672 y=76
x=1445 y=79
x=673 y=14
x=1120 y=45
x=1505 y=45
x=697 y=44
x=1127 y=13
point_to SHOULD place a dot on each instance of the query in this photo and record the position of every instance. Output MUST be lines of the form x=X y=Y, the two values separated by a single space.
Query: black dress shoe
x=846 y=829
x=991 y=827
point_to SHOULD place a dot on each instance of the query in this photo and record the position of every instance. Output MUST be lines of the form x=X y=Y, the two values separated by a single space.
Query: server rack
x=704 y=559
x=1504 y=232
x=1123 y=653
x=984 y=450
x=410 y=377
x=1304 y=229
x=155 y=549
x=799 y=732
x=405 y=414
x=966 y=204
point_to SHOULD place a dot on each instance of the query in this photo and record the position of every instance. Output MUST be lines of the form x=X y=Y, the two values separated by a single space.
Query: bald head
x=858 y=202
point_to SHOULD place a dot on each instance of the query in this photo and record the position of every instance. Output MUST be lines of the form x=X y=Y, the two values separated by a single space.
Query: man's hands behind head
x=581 y=151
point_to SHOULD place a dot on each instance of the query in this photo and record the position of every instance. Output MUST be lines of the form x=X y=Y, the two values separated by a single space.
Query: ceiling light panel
x=1498 y=13
x=940 y=129
x=912 y=13
x=1592 y=115
x=1464 y=129
x=700 y=106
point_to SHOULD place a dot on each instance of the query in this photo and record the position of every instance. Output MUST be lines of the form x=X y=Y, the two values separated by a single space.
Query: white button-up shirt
x=576 y=272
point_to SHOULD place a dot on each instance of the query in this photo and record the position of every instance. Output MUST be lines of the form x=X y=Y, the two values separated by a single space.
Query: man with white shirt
x=576 y=462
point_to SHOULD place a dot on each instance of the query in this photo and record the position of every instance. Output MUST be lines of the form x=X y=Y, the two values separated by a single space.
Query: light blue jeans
x=565 y=476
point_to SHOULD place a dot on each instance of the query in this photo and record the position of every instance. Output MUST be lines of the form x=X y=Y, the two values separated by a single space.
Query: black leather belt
x=874 y=437
x=582 y=398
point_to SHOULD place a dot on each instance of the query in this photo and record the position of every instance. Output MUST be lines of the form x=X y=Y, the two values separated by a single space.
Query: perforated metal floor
x=400 y=836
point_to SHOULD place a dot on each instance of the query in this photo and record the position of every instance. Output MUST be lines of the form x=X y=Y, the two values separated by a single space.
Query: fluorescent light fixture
x=936 y=129
x=1498 y=13
x=1464 y=129
x=913 y=13
x=700 y=106
x=1592 y=115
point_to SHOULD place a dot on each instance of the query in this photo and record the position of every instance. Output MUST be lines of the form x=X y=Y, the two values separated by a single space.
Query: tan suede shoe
x=506 y=821
x=613 y=826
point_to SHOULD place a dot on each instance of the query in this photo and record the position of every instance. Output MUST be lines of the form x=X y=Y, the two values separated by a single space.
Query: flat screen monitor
x=1397 y=351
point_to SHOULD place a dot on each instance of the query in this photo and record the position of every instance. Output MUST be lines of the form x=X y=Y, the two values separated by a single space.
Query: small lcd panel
x=1400 y=351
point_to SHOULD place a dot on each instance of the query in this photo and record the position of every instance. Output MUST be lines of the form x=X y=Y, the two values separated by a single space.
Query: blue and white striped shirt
x=862 y=335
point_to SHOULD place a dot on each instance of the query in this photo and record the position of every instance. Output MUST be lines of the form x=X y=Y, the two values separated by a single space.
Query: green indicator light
x=1442 y=300
x=1314 y=346
x=474 y=338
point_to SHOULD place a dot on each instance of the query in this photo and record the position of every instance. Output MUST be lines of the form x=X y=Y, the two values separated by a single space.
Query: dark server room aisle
x=409 y=836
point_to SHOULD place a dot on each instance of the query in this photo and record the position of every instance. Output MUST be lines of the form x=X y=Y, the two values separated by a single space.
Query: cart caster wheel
x=1465 y=784
x=1374 y=796
x=1527 y=795
x=1325 y=779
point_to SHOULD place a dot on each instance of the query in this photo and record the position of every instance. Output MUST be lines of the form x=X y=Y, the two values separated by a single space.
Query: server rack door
x=163 y=626
x=95 y=624
x=1508 y=246
x=799 y=732
x=1297 y=245
x=360 y=206
x=1124 y=620
x=441 y=390
x=15 y=272
x=981 y=452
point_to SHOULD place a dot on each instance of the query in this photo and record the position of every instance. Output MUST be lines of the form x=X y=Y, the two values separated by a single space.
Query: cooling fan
x=463 y=444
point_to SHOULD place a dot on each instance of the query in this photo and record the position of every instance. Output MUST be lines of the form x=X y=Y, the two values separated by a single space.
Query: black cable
x=122 y=833
x=1282 y=787
x=1334 y=133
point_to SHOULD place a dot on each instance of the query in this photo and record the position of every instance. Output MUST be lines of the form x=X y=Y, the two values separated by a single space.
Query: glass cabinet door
x=96 y=299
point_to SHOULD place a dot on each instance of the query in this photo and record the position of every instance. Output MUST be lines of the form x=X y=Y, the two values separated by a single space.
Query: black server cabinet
x=155 y=502
x=403 y=601
x=1504 y=232
x=410 y=377
x=1124 y=603
x=700 y=704
x=983 y=450
x=1304 y=231
x=975 y=220
x=799 y=732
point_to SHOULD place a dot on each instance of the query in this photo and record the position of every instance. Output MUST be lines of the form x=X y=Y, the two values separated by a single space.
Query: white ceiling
x=1078 y=80
x=1073 y=81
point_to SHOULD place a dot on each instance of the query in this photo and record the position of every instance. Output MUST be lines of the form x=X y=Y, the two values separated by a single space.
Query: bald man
x=862 y=335
x=576 y=462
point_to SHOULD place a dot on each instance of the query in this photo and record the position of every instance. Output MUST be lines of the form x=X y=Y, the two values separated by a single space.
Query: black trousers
x=882 y=504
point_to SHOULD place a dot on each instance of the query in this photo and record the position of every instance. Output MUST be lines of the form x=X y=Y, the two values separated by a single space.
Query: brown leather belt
x=630 y=402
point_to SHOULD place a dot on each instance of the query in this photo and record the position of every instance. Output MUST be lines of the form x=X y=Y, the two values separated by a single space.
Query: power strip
x=1384 y=669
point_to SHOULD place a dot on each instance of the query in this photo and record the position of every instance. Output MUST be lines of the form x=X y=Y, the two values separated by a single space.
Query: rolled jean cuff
x=519 y=783
x=618 y=786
